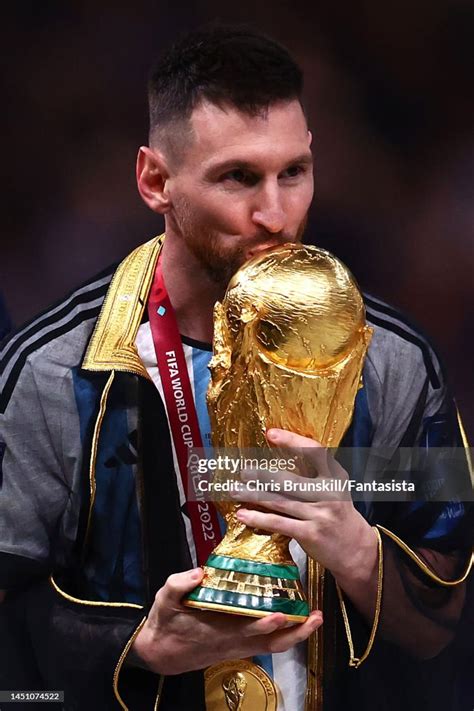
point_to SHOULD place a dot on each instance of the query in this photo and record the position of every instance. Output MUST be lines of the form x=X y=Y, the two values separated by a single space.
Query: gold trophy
x=289 y=344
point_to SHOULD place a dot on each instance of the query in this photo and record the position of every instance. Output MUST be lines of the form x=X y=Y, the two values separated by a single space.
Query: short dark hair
x=226 y=65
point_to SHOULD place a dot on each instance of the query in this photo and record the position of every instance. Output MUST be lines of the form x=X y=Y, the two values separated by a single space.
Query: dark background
x=388 y=90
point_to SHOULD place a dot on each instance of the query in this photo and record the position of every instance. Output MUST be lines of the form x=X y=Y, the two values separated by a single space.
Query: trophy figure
x=289 y=344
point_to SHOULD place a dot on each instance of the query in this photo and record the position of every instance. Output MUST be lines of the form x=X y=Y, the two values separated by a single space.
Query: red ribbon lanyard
x=181 y=410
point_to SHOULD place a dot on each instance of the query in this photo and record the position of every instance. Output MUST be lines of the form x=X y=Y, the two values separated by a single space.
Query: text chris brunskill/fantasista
x=311 y=485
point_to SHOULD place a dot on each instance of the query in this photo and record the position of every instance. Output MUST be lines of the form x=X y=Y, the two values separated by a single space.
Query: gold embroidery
x=158 y=695
x=315 y=645
x=112 y=346
x=421 y=564
x=118 y=669
x=92 y=603
x=353 y=660
x=466 y=445
x=95 y=442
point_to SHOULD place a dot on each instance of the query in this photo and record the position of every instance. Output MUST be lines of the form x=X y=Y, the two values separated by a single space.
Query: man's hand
x=176 y=639
x=326 y=525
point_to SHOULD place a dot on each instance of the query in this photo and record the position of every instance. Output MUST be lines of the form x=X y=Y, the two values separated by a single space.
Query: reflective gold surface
x=251 y=584
x=247 y=612
x=239 y=685
x=289 y=344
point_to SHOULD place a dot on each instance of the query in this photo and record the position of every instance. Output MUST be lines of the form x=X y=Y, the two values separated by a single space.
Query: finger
x=282 y=640
x=176 y=587
x=286 y=639
x=255 y=497
x=292 y=486
x=265 y=625
x=273 y=523
x=284 y=438
x=312 y=457
x=275 y=502
x=295 y=509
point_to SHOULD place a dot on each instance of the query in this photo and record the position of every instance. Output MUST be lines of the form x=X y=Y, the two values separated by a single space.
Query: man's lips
x=262 y=248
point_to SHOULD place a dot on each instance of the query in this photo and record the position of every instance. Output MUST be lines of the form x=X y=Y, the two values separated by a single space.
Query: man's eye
x=240 y=176
x=293 y=171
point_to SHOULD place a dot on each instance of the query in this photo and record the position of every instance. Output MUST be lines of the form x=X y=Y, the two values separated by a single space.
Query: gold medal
x=239 y=685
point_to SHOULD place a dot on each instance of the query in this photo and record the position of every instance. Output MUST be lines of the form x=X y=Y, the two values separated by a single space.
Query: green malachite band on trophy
x=251 y=602
x=222 y=562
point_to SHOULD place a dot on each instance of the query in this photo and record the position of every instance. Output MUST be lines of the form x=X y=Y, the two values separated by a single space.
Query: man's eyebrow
x=304 y=158
x=231 y=164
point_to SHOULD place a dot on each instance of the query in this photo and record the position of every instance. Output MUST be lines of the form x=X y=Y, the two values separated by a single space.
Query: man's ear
x=310 y=138
x=152 y=174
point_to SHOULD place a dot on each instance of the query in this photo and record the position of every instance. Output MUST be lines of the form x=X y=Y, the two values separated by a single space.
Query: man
x=92 y=493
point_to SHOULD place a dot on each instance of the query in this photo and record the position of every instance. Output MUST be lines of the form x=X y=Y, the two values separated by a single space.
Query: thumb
x=178 y=585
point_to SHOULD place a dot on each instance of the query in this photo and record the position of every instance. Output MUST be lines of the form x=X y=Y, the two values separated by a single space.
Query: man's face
x=244 y=184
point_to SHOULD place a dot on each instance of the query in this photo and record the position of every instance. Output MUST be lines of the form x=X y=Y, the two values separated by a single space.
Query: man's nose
x=269 y=212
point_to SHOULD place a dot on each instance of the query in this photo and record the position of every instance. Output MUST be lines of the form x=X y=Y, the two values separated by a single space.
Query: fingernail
x=241 y=514
x=273 y=434
x=196 y=573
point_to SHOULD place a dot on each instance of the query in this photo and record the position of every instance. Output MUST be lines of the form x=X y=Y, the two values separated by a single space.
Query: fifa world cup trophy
x=290 y=339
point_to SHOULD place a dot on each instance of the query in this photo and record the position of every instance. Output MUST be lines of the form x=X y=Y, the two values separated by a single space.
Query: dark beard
x=220 y=265
x=220 y=268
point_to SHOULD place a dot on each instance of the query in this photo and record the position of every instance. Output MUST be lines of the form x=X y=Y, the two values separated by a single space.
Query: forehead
x=225 y=133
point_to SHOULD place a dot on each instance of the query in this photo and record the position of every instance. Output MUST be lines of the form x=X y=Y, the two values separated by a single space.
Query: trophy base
x=250 y=588
x=243 y=611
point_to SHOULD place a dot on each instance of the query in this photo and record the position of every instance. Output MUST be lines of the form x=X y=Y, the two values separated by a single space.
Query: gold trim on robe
x=112 y=346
